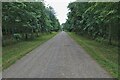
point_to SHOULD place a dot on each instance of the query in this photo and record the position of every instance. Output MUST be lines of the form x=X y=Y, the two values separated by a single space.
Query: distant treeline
x=97 y=20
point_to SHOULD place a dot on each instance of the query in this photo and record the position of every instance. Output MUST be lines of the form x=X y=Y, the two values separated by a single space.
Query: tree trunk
x=110 y=35
x=26 y=36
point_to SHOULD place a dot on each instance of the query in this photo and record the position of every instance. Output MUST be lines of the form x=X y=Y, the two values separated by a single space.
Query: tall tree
x=94 y=19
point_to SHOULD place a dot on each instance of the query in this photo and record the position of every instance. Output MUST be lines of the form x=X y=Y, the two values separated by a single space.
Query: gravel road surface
x=59 y=57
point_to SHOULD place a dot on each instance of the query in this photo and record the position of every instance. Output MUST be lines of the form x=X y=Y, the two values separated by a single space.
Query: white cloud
x=60 y=7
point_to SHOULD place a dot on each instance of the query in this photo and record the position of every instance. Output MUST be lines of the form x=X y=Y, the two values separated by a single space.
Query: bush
x=99 y=39
x=8 y=40
x=17 y=36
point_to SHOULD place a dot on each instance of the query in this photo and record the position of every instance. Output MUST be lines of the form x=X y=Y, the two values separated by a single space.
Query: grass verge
x=105 y=55
x=14 y=52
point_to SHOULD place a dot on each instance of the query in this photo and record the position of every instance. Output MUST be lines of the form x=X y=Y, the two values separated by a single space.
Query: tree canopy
x=28 y=17
x=26 y=20
x=94 y=19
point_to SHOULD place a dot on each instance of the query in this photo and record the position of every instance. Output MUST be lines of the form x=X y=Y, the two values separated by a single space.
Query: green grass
x=105 y=55
x=14 y=52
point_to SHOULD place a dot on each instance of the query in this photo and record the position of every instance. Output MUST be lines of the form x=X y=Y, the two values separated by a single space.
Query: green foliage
x=17 y=36
x=28 y=19
x=94 y=20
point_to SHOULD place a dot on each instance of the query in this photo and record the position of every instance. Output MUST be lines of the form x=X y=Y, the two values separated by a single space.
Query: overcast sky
x=60 y=7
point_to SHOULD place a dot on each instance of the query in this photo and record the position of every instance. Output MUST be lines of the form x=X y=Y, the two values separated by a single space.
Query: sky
x=60 y=7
